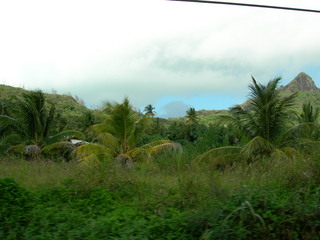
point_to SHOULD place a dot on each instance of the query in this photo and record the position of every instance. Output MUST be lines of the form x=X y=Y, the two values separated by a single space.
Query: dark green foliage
x=309 y=114
x=181 y=131
x=254 y=213
x=72 y=213
x=89 y=119
x=156 y=126
x=202 y=137
x=6 y=107
x=67 y=213
x=15 y=206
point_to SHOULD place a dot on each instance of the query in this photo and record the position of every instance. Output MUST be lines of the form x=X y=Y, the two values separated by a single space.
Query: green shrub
x=15 y=207
x=252 y=213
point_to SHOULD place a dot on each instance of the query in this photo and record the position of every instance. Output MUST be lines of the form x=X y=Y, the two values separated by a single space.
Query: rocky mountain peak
x=302 y=82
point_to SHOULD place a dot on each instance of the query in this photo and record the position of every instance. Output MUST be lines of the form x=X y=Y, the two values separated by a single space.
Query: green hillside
x=207 y=117
x=70 y=111
x=302 y=84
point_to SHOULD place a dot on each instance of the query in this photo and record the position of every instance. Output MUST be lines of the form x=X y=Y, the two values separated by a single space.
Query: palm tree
x=267 y=114
x=30 y=125
x=264 y=121
x=192 y=116
x=149 y=110
x=308 y=127
x=309 y=114
x=118 y=138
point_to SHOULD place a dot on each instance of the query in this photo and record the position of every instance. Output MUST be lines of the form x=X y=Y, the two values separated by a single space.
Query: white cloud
x=147 y=49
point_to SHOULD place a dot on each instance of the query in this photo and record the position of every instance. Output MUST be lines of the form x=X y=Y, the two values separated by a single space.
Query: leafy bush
x=252 y=213
x=71 y=213
x=15 y=207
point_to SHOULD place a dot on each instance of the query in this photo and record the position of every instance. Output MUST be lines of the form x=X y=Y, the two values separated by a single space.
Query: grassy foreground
x=170 y=198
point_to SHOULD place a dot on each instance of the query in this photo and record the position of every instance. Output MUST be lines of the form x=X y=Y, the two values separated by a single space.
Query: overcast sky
x=173 y=55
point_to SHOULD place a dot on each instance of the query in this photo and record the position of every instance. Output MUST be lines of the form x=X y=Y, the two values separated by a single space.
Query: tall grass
x=166 y=176
x=170 y=198
x=168 y=181
x=37 y=174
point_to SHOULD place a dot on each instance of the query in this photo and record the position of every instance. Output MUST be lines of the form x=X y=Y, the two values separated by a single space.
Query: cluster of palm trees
x=28 y=131
x=118 y=137
x=266 y=121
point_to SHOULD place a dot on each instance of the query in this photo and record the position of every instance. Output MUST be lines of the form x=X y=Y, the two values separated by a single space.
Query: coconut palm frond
x=47 y=122
x=164 y=147
x=66 y=135
x=16 y=149
x=155 y=143
x=242 y=120
x=12 y=139
x=59 y=147
x=98 y=128
x=139 y=155
x=309 y=114
x=257 y=146
x=218 y=153
x=296 y=143
x=91 y=148
x=307 y=130
x=291 y=153
x=89 y=160
x=107 y=139
x=225 y=160
x=7 y=124
x=7 y=120
x=309 y=147
x=34 y=116
x=278 y=154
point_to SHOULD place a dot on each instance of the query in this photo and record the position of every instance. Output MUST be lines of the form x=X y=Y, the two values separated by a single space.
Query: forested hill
x=62 y=101
x=70 y=109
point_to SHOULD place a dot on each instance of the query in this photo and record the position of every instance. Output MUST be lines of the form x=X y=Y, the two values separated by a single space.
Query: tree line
x=266 y=126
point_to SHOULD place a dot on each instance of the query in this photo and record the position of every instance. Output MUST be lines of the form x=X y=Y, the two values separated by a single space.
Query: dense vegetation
x=252 y=172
